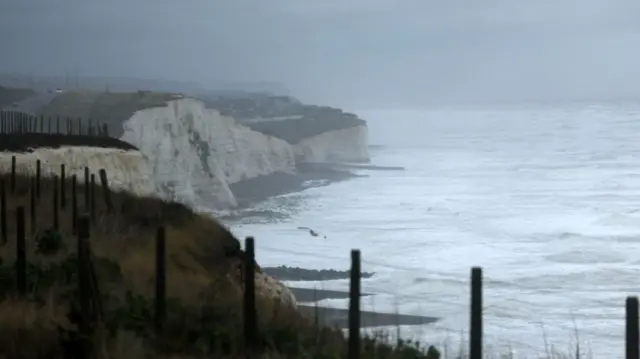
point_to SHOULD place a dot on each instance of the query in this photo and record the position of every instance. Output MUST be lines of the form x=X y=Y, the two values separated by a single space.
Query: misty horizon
x=355 y=53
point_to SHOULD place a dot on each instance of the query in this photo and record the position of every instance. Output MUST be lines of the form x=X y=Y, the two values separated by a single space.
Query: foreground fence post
x=13 y=174
x=32 y=207
x=3 y=213
x=21 y=253
x=354 y=306
x=93 y=198
x=105 y=189
x=632 y=334
x=56 y=215
x=475 y=332
x=249 y=295
x=38 y=176
x=86 y=188
x=63 y=187
x=84 y=286
x=161 y=289
x=74 y=203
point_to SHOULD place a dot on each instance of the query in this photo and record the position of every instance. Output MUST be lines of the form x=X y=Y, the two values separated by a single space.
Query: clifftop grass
x=204 y=288
x=112 y=108
x=11 y=95
x=28 y=142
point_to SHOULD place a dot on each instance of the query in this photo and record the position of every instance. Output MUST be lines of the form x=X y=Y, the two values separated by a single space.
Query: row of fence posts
x=59 y=200
x=91 y=308
x=12 y=122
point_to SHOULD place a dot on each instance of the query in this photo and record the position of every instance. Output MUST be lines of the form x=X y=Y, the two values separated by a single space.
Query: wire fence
x=15 y=122
x=500 y=309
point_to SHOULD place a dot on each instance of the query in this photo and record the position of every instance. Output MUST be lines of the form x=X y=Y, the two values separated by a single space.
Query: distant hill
x=132 y=84
x=10 y=96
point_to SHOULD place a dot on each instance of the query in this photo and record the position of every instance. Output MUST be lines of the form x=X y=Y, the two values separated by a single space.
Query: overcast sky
x=348 y=52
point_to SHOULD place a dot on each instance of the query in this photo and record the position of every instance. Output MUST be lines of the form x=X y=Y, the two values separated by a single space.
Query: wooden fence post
x=13 y=174
x=84 y=285
x=32 y=207
x=56 y=208
x=354 y=306
x=632 y=334
x=86 y=189
x=475 y=332
x=21 y=253
x=63 y=187
x=249 y=295
x=38 y=176
x=161 y=288
x=3 y=212
x=105 y=189
x=93 y=198
x=74 y=203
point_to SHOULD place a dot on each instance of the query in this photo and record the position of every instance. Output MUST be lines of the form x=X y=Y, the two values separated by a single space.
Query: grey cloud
x=351 y=52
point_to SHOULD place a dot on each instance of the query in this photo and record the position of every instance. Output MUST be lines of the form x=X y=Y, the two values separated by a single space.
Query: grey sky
x=347 y=52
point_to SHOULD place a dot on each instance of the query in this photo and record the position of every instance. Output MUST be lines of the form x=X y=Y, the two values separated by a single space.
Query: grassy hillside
x=203 y=284
x=9 y=95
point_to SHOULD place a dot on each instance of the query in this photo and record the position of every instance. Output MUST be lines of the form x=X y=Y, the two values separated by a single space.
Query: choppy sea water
x=546 y=200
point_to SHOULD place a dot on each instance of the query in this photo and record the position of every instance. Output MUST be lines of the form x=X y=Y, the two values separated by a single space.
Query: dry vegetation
x=203 y=285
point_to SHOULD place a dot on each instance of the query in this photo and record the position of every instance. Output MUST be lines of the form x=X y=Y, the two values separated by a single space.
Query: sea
x=546 y=199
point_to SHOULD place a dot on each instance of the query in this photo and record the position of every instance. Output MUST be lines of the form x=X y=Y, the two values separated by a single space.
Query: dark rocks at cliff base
x=301 y=274
x=257 y=189
x=336 y=317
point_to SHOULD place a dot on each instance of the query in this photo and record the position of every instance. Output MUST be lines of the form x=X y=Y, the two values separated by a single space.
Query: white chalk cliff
x=126 y=170
x=196 y=152
x=344 y=145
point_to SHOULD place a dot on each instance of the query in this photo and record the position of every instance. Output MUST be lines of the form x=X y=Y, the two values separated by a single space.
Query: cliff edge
x=199 y=150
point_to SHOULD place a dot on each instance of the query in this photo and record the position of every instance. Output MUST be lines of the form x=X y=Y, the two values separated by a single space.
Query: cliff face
x=343 y=145
x=196 y=153
x=126 y=169
x=318 y=133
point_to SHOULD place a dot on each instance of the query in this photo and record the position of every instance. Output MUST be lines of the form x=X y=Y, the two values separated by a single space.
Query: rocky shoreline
x=291 y=274
x=250 y=192
x=308 y=299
